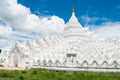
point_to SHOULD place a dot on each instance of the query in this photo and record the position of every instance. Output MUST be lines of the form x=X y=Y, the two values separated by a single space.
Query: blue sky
x=109 y=9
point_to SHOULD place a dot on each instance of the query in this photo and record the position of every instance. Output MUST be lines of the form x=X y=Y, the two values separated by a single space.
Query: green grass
x=41 y=74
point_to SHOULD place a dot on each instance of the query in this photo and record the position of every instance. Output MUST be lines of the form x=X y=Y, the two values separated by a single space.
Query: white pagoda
x=74 y=49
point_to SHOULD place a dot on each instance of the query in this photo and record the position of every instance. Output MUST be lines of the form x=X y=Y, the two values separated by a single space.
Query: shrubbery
x=41 y=74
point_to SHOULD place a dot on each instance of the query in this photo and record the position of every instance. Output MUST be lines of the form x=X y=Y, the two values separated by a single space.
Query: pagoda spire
x=73 y=21
x=73 y=10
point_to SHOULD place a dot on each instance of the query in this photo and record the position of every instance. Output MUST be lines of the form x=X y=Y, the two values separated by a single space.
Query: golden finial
x=73 y=10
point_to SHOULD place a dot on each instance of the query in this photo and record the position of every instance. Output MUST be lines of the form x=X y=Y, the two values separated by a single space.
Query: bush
x=6 y=74
x=34 y=72
x=21 y=78
x=24 y=72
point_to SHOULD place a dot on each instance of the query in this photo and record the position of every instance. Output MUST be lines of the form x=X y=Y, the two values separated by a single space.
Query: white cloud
x=5 y=31
x=110 y=30
x=106 y=29
x=87 y=20
x=55 y=24
x=4 y=43
x=22 y=23
x=18 y=16
x=105 y=19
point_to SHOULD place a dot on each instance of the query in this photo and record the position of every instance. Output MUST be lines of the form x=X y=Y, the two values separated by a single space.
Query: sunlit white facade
x=75 y=48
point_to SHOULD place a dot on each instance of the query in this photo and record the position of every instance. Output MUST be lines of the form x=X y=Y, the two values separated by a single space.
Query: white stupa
x=75 y=49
